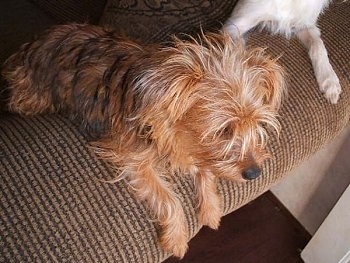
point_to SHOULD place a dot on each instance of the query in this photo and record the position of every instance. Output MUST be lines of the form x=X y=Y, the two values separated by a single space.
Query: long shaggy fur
x=290 y=17
x=196 y=107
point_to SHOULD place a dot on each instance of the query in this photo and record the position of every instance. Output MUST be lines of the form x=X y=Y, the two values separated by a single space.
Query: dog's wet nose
x=251 y=173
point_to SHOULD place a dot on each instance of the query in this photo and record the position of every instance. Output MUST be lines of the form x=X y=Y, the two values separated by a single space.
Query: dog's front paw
x=210 y=218
x=331 y=88
x=232 y=30
x=209 y=208
x=209 y=213
x=174 y=242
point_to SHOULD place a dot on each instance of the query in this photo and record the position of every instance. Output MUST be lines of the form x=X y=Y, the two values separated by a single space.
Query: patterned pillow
x=156 y=20
x=72 y=11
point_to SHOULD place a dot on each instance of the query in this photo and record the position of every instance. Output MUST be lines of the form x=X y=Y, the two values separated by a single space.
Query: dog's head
x=208 y=105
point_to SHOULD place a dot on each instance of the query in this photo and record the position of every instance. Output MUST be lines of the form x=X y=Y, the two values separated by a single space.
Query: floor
x=263 y=231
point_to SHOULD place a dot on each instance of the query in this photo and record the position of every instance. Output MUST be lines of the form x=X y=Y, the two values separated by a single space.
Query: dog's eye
x=146 y=131
x=226 y=132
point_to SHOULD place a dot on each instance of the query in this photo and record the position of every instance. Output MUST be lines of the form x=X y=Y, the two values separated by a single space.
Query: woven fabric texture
x=54 y=208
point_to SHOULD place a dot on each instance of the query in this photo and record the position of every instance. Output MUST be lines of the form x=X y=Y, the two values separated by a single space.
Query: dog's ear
x=268 y=78
x=172 y=103
x=166 y=94
x=172 y=84
x=273 y=84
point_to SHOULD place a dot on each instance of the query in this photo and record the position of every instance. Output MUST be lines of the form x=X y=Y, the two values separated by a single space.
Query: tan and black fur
x=196 y=108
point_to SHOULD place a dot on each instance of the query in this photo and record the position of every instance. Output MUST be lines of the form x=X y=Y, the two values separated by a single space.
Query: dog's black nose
x=251 y=173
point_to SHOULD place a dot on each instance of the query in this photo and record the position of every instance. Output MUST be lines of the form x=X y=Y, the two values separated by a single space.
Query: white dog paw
x=331 y=89
x=232 y=30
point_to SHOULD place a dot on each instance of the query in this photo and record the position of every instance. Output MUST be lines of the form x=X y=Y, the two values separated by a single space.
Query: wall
x=331 y=243
x=310 y=191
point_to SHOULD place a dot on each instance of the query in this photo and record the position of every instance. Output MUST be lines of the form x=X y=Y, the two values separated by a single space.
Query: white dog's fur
x=290 y=17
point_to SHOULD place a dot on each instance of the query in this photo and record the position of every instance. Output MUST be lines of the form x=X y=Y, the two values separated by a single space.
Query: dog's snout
x=251 y=173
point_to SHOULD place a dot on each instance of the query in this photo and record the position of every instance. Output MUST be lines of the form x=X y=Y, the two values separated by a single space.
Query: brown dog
x=199 y=108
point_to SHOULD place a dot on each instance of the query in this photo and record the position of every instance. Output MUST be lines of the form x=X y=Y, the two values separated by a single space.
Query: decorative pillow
x=72 y=11
x=156 y=20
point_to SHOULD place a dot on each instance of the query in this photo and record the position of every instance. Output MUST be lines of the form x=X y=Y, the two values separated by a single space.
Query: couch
x=54 y=207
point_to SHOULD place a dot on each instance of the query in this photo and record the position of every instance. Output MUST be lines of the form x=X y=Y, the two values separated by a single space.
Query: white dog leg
x=237 y=26
x=327 y=79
